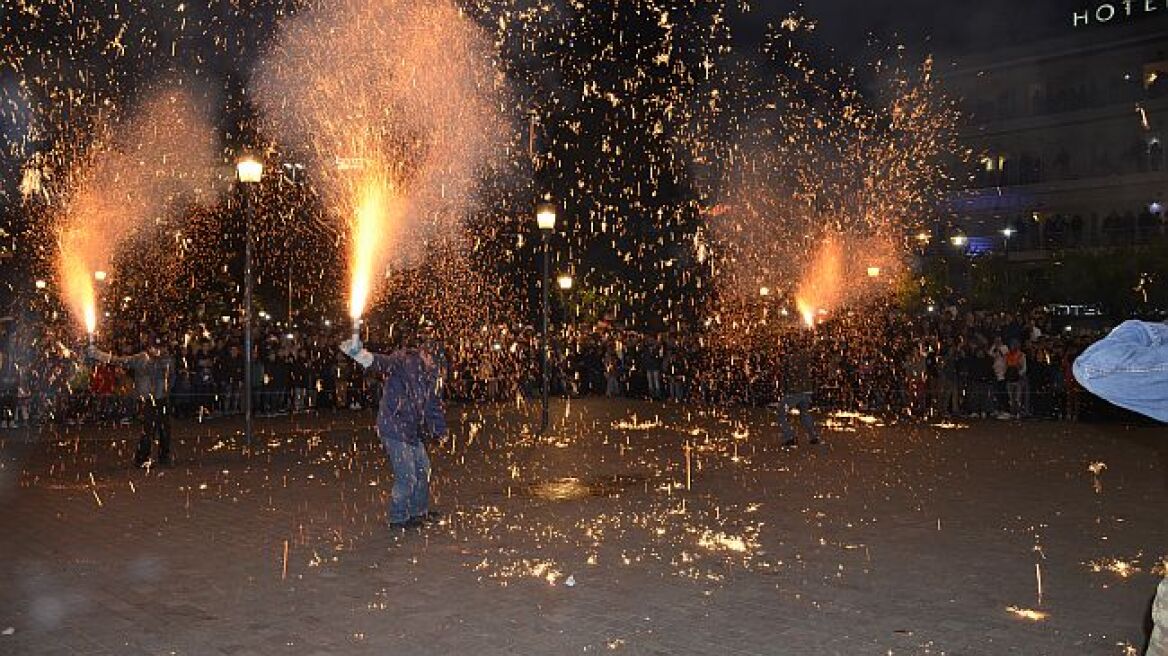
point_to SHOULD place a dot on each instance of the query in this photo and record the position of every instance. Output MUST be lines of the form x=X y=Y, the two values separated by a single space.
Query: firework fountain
x=822 y=205
x=132 y=173
x=395 y=103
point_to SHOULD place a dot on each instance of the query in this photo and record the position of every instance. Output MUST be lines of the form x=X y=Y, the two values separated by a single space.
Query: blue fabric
x=802 y=401
x=410 y=496
x=411 y=408
x=1129 y=368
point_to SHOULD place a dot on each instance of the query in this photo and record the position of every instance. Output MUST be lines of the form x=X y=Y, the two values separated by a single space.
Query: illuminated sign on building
x=1106 y=12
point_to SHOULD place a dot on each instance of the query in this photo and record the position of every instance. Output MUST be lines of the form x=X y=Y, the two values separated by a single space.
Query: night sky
x=625 y=135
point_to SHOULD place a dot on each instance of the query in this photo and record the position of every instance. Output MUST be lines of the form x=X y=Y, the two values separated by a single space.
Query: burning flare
x=135 y=172
x=369 y=233
x=820 y=287
x=76 y=279
x=396 y=103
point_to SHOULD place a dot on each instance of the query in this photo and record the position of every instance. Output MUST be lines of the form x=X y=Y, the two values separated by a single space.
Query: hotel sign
x=1118 y=10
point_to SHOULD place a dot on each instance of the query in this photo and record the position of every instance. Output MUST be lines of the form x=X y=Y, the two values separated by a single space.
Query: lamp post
x=1006 y=234
x=545 y=218
x=249 y=171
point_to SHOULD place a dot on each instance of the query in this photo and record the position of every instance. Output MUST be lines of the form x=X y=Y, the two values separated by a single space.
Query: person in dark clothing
x=153 y=371
x=410 y=415
x=797 y=387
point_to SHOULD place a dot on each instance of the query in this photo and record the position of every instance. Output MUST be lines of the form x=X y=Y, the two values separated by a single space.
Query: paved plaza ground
x=888 y=539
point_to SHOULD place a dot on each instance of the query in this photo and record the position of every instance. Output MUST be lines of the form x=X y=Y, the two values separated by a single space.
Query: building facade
x=1068 y=140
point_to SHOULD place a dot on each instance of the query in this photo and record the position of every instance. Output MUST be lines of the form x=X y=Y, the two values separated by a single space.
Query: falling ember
x=1027 y=613
x=1119 y=567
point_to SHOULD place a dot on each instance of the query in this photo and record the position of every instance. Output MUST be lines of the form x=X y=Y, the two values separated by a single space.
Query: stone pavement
x=888 y=539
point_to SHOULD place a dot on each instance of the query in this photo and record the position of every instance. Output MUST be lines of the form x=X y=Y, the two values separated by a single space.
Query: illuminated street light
x=565 y=282
x=545 y=218
x=1008 y=232
x=873 y=272
x=41 y=284
x=545 y=215
x=959 y=240
x=250 y=171
x=99 y=276
x=764 y=291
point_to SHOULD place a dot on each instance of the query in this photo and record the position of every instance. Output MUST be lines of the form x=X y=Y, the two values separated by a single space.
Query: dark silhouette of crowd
x=943 y=363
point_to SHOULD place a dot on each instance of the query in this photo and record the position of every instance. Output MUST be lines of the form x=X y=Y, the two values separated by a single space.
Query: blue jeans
x=1129 y=368
x=802 y=401
x=410 y=496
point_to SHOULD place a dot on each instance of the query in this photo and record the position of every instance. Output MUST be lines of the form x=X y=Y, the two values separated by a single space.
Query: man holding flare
x=410 y=415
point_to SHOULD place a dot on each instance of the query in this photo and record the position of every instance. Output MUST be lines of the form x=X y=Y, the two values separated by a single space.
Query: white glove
x=353 y=349
x=93 y=353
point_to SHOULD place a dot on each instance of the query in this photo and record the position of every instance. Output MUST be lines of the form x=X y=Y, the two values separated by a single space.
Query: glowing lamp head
x=565 y=282
x=99 y=276
x=764 y=291
x=249 y=169
x=873 y=272
x=41 y=284
x=545 y=215
x=1007 y=232
x=959 y=240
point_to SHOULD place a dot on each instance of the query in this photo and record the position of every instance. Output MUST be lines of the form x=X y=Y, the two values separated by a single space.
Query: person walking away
x=797 y=386
x=410 y=414
x=231 y=369
x=102 y=386
x=8 y=385
x=1015 y=375
x=153 y=371
x=651 y=363
x=611 y=374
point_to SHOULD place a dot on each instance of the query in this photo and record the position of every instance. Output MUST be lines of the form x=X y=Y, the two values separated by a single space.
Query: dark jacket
x=153 y=376
x=411 y=410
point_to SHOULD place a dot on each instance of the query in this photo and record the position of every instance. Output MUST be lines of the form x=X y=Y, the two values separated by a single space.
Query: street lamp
x=764 y=291
x=959 y=240
x=1007 y=232
x=565 y=282
x=99 y=276
x=545 y=218
x=249 y=171
x=873 y=272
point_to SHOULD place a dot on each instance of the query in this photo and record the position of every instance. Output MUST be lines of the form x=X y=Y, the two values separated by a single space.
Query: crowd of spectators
x=943 y=363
